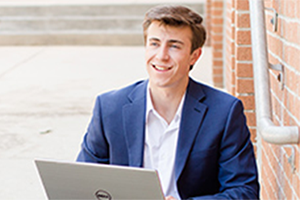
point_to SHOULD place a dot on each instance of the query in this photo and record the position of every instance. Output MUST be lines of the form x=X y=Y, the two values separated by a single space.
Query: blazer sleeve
x=94 y=147
x=237 y=166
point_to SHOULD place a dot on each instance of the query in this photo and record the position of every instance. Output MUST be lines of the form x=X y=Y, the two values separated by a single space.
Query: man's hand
x=170 y=198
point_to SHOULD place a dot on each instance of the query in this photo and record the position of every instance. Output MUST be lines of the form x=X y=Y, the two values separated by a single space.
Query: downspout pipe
x=265 y=126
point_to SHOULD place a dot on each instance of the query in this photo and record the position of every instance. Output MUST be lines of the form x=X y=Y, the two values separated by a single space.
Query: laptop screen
x=75 y=180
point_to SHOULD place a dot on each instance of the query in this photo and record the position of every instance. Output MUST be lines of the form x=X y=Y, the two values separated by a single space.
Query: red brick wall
x=238 y=58
x=278 y=179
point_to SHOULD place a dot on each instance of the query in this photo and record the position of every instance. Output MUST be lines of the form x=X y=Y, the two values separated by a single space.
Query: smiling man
x=195 y=136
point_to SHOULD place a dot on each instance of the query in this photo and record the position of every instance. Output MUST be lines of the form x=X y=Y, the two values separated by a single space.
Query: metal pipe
x=269 y=132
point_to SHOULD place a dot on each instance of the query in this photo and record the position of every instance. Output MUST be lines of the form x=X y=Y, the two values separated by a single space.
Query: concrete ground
x=46 y=99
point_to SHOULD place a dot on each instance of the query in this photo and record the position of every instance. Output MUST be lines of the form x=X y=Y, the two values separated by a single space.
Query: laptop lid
x=77 y=180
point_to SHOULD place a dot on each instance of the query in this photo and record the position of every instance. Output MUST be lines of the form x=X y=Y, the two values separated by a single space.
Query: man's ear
x=195 y=55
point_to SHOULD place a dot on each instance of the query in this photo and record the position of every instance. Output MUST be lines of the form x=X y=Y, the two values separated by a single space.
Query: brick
x=217 y=38
x=243 y=37
x=290 y=8
x=279 y=27
x=233 y=63
x=242 y=4
x=248 y=101
x=274 y=4
x=218 y=71
x=217 y=12
x=275 y=45
x=217 y=78
x=272 y=59
x=290 y=101
x=291 y=54
x=218 y=63
x=244 y=86
x=292 y=79
x=232 y=3
x=251 y=118
x=268 y=3
x=218 y=46
x=232 y=47
x=243 y=53
x=229 y=4
x=217 y=29
x=217 y=20
x=217 y=3
x=233 y=78
x=288 y=120
x=228 y=29
x=233 y=20
x=217 y=54
x=298 y=9
x=291 y=31
x=232 y=32
x=242 y=20
x=244 y=70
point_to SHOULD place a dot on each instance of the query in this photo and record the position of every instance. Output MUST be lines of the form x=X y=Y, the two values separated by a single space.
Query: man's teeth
x=161 y=68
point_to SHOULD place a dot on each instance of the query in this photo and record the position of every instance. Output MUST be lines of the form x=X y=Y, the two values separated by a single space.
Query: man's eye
x=175 y=46
x=153 y=44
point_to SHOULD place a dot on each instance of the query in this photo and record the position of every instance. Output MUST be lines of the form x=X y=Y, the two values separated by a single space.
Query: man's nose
x=163 y=53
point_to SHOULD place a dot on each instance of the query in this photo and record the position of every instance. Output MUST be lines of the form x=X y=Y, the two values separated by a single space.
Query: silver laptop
x=76 y=180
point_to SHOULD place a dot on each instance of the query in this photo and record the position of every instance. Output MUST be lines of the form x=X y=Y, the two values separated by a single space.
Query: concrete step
x=71 y=24
x=115 y=24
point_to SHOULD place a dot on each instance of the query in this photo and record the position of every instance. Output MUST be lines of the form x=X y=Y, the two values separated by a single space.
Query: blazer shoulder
x=213 y=94
x=124 y=94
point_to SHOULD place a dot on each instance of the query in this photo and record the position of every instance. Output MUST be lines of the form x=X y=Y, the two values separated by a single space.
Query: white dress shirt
x=161 y=144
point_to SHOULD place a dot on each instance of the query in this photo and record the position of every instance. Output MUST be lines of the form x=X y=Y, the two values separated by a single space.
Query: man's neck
x=166 y=101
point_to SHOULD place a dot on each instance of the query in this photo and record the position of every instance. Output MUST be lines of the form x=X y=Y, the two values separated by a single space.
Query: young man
x=195 y=136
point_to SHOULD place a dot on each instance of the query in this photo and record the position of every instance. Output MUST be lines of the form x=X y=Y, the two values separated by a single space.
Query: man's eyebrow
x=176 y=41
x=153 y=38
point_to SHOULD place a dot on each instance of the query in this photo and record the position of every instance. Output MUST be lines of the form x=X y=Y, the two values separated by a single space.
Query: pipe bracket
x=274 y=20
x=280 y=77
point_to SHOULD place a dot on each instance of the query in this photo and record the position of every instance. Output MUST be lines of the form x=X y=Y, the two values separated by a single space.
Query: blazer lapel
x=192 y=116
x=134 y=124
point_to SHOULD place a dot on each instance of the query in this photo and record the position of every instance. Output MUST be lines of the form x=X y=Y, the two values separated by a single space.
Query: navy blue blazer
x=214 y=157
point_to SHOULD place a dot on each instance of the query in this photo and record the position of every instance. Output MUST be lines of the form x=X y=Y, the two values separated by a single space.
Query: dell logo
x=102 y=195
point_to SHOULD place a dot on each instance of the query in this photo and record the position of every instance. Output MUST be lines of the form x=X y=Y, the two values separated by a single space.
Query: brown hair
x=177 y=16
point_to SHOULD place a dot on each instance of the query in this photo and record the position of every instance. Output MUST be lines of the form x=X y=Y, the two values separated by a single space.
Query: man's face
x=168 y=55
